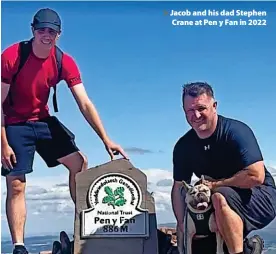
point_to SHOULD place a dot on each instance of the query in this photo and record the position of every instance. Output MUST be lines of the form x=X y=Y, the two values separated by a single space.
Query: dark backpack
x=25 y=48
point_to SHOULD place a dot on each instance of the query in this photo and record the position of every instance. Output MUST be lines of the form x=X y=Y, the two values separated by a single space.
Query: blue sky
x=133 y=63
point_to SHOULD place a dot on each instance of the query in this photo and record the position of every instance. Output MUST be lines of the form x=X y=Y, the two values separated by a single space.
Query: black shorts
x=255 y=206
x=48 y=137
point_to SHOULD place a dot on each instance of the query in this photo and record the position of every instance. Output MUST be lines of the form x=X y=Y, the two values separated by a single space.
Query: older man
x=226 y=150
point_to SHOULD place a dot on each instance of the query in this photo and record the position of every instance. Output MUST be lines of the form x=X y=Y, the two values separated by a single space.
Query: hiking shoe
x=20 y=249
x=253 y=245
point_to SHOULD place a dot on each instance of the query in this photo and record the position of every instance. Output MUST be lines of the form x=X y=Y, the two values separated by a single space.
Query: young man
x=227 y=151
x=27 y=125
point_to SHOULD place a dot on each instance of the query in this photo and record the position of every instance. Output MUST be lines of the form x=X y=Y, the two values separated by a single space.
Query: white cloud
x=272 y=170
x=50 y=194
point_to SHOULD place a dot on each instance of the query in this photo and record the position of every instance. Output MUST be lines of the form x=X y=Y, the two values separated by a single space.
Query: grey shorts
x=256 y=206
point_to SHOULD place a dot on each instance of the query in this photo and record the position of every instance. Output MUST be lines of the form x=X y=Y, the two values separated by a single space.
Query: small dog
x=200 y=221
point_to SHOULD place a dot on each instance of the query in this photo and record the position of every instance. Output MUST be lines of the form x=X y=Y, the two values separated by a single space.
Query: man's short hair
x=196 y=89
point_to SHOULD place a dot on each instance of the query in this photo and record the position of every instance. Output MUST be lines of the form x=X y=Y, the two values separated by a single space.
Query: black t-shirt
x=231 y=148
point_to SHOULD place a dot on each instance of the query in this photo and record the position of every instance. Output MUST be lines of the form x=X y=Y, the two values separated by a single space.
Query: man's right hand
x=8 y=158
x=114 y=149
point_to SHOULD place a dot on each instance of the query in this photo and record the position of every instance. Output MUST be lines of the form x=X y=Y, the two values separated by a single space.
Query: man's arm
x=251 y=176
x=8 y=157
x=178 y=202
x=4 y=93
x=89 y=111
x=9 y=65
x=8 y=68
x=92 y=117
x=181 y=172
x=71 y=75
x=249 y=156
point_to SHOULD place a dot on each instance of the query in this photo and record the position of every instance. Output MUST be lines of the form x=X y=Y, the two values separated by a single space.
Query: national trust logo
x=114 y=193
x=114 y=201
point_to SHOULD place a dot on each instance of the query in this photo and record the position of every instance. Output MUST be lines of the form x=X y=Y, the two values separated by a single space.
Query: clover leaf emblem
x=115 y=198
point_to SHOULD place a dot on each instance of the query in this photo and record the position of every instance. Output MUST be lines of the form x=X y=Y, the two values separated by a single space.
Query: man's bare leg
x=16 y=207
x=75 y=163
x=229 y=224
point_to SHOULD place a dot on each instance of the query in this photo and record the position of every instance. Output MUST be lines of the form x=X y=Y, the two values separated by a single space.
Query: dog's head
x=197 y=196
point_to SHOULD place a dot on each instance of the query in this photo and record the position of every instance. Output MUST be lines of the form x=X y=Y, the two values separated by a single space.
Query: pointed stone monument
x=115 y=213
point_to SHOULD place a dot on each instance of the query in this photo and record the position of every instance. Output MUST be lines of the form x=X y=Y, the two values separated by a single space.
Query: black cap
x=47 y=18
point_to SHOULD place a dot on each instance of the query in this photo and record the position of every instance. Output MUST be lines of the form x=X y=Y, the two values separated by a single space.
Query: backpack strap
x=59 y=55
x=25 y=48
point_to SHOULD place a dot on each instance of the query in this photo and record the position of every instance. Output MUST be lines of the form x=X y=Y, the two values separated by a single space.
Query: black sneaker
x=253 y=245
x=20 y=249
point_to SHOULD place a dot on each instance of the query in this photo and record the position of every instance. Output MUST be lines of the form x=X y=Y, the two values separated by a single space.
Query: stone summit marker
x=115 y=214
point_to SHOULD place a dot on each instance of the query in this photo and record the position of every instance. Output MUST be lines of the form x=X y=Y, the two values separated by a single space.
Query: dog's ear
x=200 y=180
x=186 y=186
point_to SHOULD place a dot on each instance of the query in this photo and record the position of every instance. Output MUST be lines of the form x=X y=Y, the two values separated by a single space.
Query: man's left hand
x=114 y=149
